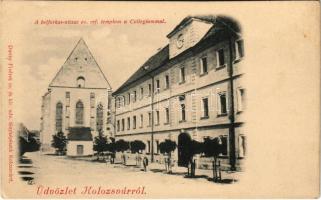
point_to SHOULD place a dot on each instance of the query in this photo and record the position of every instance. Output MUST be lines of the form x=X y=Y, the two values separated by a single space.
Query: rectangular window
x=67 y=123
x=141 y=121
x=205 y=107
x=92 y=100
x=67 y=98
x=157 y=117
x=122 y=124
x=240 y=99
x=182 y=74
x=157 y=86
x=148 y=146
x=135 y=96
x=128 y=123
x=224 y=145
x=141 y=92
x=239 y=49
x=204 y=65
x=128 y=95
x=118 y=125
x=157 y=146
x=134 y=122
x=149 y=119
x=117 y=103
x=222 y=103
x=166 y=115
x=67 y=111
x=220 y=58
x=166 y=81
x=149 y=89
x=183 y=112
x=242 y=146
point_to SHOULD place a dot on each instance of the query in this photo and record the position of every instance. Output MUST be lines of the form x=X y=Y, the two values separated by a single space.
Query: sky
x=40 y=50
x=118 y=49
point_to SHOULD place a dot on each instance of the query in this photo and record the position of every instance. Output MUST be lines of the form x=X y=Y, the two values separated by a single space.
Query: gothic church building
x=76 y=103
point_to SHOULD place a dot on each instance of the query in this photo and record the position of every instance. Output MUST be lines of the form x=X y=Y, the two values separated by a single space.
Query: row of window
x=221 y=62
x=222 y=108
x=79 y=115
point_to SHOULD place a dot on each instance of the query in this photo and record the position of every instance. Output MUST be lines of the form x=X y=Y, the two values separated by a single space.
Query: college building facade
x=77 y=104
x=190 y=89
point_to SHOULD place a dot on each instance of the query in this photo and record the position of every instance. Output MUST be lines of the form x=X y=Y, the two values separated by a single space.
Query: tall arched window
x=80 y=82
x=79 y=112
x=59 y=117
x=99 y=117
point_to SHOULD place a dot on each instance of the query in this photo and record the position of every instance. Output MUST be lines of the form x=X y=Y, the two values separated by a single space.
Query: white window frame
x=181 y=80
x=218 y=59
x=157 y=88
x=128 y=123
x=141 y=90
x=240 y=103
x=150 y=89
x=134 y=96
x=157 y=118
x=238 y=55
x=241 y=154
x=203 y=108
x=167 y=116
x=141 y=122
x=202 y=65
x=149 y=118
x=181 y=112
x=167 y=84
x=219 y=103
x=134 y=122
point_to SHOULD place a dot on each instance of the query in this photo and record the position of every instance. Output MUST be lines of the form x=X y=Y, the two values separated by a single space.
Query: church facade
x=77 y=103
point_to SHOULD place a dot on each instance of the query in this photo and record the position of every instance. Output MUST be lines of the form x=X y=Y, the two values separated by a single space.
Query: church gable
x=80 y=70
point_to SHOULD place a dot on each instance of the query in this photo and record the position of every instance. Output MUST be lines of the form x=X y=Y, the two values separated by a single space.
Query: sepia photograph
x=173 y=101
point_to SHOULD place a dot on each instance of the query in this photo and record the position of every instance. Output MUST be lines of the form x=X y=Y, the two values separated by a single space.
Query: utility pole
x=231 y=106
x=152 y=113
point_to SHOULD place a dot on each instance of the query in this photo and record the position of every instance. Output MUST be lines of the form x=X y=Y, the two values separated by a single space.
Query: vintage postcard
x=160 y=99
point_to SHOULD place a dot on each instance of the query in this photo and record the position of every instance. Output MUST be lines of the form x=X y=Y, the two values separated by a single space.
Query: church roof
x=80 y=134
x=80 y=63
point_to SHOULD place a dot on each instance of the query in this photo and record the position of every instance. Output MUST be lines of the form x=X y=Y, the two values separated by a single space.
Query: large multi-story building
x=190 y=89
x=76 y=103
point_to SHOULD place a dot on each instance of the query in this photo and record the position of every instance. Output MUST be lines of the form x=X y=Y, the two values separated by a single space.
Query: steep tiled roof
x=80 y=134
x=157 y=60
x=222 y=25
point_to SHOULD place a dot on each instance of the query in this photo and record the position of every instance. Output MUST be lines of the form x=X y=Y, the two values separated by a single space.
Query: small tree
x=29 y=145
x=213 y=148
x=100 y=145
x=167 y=147
x=59 y=142
x=122 y=146
x=136 y=147
x=111 y=147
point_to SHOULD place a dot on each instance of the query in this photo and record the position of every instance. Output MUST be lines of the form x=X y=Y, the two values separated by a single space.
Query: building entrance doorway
x=80 y=150
x=183 y=149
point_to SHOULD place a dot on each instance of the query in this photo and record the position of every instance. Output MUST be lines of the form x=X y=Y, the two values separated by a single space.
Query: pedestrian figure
x=145 y=163
x=112 y=158
x=166 y=160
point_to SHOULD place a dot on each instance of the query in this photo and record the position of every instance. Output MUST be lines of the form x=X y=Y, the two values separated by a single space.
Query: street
x=50 y=173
